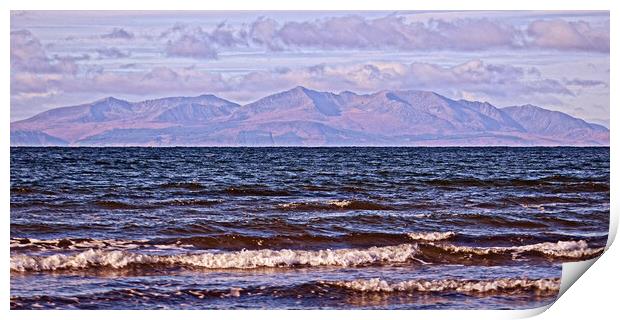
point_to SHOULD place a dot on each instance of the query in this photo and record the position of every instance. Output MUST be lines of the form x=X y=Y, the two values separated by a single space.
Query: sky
x=558 y=60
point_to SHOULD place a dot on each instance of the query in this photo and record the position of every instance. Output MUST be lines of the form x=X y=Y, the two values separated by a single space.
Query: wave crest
x=431 y=236
x=244 y=259
x=551 y=285
x=560 y=249
x=75 y=243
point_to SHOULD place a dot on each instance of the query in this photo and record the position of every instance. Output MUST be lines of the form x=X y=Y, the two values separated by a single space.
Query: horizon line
x=316 y=146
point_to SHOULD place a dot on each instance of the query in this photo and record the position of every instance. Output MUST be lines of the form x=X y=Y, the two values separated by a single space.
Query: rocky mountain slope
x=305 y=117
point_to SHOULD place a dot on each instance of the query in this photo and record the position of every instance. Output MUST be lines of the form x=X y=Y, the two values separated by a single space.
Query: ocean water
x=301 y=228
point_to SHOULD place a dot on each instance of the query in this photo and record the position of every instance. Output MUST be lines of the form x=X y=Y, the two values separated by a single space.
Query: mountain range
x=304 y=117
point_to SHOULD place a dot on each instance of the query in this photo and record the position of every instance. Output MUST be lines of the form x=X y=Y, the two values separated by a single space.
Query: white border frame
x=596 y=297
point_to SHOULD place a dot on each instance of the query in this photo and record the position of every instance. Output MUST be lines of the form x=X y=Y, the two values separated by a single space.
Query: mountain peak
x=110 y=99
x=347 y=93
x=301 y=90
x=526 y=106
x=302 y=116
x=549 y=122
x=426 y=94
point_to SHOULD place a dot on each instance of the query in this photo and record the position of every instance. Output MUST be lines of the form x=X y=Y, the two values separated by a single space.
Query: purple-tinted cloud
x=128 y=66
x=194 y=42
x=387 y=33
x=160 y=80
x=112 y=52
x=34 y=75
x=493 y=80
x=190 y=46
x=565 y=35
x=391 y=32
x=28 y=55
x=33 y=72
x=118 y=33
x=395 y=32
x=585 y=83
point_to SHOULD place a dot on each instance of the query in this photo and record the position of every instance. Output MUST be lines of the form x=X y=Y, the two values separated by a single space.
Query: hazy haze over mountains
x=305 y=117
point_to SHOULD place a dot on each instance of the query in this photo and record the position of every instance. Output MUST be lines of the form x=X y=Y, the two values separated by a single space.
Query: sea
x=301 y=228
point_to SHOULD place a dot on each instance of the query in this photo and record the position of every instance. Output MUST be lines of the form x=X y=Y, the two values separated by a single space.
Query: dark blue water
x=393 y=228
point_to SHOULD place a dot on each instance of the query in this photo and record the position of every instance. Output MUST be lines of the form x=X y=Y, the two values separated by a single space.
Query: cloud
x=27 y=52
x=28 y=55
x=192 y=47
x=81 y=57
x=160 y=81
x=392 y=32
x=585 y=83
x=194 y=42
x=29 y=83
x=128 y=66
x=112 y=52
x=470 y=34
x=34 y=73
x=341 y=33
x=118 y=33
x=568 y=35
x=475 y=76
x=396 y=33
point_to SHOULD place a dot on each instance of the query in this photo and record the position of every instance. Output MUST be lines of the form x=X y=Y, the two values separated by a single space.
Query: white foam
x=458 y=285
x=337 y=203
x=83 y=244
x=74 y=244
x=340 y=203
x=540 y=207
x=560 y=249
x=290 y=205
x=431 y=236
x=331 y=204
x=238 y=259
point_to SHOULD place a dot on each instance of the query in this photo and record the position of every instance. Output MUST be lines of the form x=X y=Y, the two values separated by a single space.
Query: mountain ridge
x=306 y=117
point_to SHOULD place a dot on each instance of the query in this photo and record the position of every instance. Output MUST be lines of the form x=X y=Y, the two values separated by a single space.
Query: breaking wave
x=309 y=250
x=100 y=254
x=219 y=242
x=346 y=289
x=244 y=259
x=560 y=249
x=550 y=285
x=22 y=244
x=431 y=236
